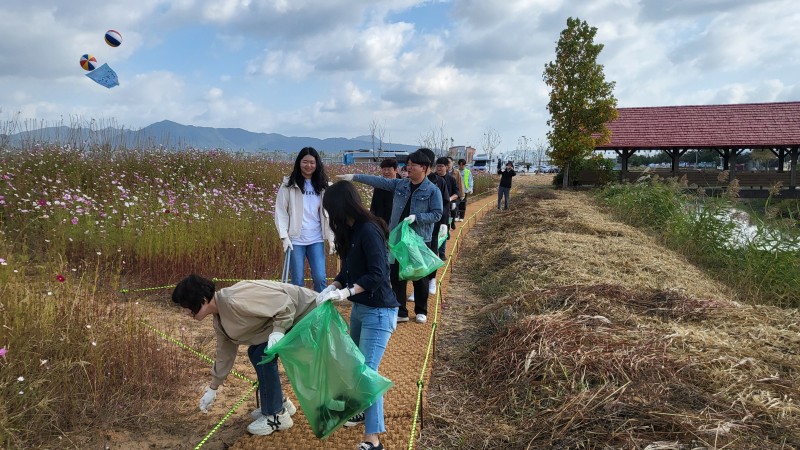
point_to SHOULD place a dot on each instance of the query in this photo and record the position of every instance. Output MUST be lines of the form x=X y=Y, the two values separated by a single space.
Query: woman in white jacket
x=301 y=221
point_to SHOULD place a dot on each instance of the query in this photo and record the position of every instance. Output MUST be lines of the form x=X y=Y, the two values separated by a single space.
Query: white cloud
x=327 y=67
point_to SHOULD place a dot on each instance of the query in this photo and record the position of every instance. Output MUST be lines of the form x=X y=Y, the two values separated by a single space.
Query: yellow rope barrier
x=215 y=279
x=227 y=416
x=202 y=356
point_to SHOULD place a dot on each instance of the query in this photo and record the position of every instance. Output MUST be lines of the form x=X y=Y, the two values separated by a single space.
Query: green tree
x=581 y=100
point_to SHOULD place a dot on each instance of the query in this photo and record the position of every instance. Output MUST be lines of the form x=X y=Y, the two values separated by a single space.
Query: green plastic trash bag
x=327 y=370
x=415 y=258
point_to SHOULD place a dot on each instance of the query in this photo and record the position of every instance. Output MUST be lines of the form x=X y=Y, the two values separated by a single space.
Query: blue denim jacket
x=426 y=204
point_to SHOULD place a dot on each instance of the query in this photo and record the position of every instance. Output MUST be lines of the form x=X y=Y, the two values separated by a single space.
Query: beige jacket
x=289 y=213
x=249 y=311
x=460 y=179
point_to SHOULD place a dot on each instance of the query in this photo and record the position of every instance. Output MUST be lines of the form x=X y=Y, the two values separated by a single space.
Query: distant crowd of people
x=429 y=193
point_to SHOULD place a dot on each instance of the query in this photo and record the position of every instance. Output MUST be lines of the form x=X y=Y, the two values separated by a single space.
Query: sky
x=330 y=68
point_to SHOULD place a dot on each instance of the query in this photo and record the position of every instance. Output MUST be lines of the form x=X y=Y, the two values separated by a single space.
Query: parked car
x=546 y=168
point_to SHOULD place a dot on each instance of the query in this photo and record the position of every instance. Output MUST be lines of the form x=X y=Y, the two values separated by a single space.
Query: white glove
x=321 y=296
x=274 y=337
x=345 y=177
x=337 y=294
x=453 y=205
x=287 y=244
x=331 y=248
x=411 y=218
x=443 y=231
x=208 y=399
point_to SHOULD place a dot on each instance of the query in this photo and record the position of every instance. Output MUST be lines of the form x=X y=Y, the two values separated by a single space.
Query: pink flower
x=74 y=220
x=42 y=202
x=3 y=352
x=60 y=278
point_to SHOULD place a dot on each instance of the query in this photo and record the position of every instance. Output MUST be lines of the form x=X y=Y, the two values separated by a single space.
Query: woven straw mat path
x=402 y=363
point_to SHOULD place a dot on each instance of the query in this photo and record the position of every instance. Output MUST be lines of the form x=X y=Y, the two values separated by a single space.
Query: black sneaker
x=358 y=419
x=369 y=446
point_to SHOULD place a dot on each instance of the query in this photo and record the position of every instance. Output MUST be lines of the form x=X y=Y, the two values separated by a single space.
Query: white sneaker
x=411 y=297
x=287 y=405
x=432 y=286
x=266 y=425
x=421 y=318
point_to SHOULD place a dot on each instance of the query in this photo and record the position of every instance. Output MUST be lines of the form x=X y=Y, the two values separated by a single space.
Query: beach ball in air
x=88 y=62
x=113 y=38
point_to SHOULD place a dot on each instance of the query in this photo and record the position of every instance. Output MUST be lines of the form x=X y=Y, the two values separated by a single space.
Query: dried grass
x=588 y=334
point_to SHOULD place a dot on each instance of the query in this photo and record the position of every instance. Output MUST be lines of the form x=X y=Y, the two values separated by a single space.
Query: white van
x=481 y=163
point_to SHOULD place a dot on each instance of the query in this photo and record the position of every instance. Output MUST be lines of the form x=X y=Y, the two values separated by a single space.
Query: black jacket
x=367 y=265
x=505 y=177
x=381 y=204
x=441 y=183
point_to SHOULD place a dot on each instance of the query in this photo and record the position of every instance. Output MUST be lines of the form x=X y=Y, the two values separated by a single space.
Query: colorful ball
x=88 y=62
x=113 y=38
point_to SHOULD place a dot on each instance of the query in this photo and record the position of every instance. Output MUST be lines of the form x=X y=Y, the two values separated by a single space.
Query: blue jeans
x=502 y=192
x=370 y=329
x=316 y=260
x=269 y=382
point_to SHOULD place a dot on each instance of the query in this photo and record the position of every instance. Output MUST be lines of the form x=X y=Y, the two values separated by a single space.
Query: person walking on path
x=456 y=175
x=300 y=219
x=442 y=226
x=418 y=201
x=504 y=189
x=450 y=200
x=466 y=175
x=381 y=203
x=360 y=238
x=256 y=313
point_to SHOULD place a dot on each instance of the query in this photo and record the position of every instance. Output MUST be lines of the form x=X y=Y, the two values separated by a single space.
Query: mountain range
x=178 y=136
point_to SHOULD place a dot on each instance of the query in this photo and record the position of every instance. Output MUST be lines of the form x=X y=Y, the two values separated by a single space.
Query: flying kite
x=88 y=62
x=113 y=38
x=104 y=76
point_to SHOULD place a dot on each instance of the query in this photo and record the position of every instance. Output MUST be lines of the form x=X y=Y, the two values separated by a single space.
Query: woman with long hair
x=300 y=219
x=364 y=280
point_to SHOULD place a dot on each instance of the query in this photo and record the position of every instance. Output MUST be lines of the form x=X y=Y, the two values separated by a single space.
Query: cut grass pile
x=589 y=334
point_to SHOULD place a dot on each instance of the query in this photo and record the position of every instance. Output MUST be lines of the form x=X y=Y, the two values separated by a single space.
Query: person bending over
x=256 y=313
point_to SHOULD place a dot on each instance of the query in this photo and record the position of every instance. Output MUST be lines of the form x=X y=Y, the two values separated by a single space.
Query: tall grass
x=74 y=358
x=77 y=225
x=763 y=267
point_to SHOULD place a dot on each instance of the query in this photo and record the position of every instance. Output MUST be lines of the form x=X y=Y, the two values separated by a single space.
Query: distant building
x=368 y=156
x=461 y=152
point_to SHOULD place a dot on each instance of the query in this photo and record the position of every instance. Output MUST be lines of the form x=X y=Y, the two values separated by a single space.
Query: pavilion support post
x=732 y=153
x=781 y=154
x=793 y=168
x=624 y=155
x=676 y=154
